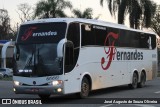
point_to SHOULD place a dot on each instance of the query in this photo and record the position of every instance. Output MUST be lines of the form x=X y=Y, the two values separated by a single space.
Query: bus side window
x=88 y=37
x=147 y=41
x=123 y=40
x=100 y=34
x=112 y=39
x=153 y=41
x=144 y=41
x=135 y=41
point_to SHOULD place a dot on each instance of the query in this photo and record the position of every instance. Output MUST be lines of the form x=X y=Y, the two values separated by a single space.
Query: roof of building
x=3 y=41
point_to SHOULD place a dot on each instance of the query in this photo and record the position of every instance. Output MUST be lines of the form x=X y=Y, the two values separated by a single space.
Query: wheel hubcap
x=85 y=89
x=135 y=81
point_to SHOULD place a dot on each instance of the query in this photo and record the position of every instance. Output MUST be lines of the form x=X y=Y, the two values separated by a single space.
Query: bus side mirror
x=60 y=48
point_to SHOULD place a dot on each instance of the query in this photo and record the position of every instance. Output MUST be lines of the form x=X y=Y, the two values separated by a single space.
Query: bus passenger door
x=71 y=74
x=69 y=56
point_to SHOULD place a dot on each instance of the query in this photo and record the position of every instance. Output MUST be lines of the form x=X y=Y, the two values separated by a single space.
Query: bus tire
x=85 y=88
x=134 y=83
x=142 y=80
x=44 y=96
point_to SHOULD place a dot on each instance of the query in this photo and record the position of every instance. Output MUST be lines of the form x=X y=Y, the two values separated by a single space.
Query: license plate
x=34 y=89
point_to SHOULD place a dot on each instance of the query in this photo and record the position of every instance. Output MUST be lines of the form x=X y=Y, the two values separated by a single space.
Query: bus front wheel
x=85 y=88
x=134 y=83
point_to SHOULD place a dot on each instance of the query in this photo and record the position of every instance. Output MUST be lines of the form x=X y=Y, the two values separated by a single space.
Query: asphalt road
x=151 y=90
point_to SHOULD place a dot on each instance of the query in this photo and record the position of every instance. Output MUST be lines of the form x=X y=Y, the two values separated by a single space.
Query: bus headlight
x=59 y=90
x=17 y=83
x=58 y=82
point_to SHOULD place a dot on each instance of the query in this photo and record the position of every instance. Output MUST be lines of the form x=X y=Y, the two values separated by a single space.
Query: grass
x=6 y=79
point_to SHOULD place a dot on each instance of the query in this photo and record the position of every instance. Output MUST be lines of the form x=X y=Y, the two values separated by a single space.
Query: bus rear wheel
x=44 y=96
x=134 y=83
x=142 y=80
x=85 y=88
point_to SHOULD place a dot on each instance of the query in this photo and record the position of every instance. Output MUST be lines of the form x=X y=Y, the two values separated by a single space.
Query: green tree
x=155 y=23
x=4 y=23
x=139 y=11
x=51 y=8
x=25 y=12
x=5 y=26
x=87 y=13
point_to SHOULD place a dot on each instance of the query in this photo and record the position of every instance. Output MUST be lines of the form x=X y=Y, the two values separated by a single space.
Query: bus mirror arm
x=60 y=47
x=17 y=53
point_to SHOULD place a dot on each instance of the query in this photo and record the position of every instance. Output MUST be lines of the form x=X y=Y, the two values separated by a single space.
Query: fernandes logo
x=28 y=33
x=111 y=51
x=120 y=55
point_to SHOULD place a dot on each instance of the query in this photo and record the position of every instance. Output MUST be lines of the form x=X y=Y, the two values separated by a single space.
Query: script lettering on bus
x=113 y=53
x=28 y=33
x=129 y=55
x=111 y=50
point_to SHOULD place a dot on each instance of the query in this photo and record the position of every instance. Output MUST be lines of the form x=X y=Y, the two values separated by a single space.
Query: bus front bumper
x=38 y=90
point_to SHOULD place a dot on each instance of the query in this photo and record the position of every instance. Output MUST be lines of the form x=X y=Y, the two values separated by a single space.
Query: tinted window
x=40 y=59
x=88 y=37
x=96 y=35
x=2 y=70
x=112 y=39
x=144 y=40
x=42 y=33
x=74 y=34
x=129 y=39
x=134 y=39
x=100 y=33
x=123 y=40
x=153 y=41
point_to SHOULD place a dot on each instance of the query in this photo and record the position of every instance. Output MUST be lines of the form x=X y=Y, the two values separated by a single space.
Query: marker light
x=14 y=89
x=16 y=83
x=57 y=82
x=59 y=90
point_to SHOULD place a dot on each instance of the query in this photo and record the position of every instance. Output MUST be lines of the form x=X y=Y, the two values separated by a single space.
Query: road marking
x=107 y=105
x=142 y=105
x=157 y=92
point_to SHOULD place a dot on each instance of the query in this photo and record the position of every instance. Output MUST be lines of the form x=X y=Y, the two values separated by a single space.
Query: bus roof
x=89 y=21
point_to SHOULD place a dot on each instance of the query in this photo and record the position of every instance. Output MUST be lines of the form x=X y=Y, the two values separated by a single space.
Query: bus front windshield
x=36 y=50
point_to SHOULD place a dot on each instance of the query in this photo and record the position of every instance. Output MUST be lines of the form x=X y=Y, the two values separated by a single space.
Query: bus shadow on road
x=109 y=91
x=65 y=99
x=113 y=92
x=118 y=90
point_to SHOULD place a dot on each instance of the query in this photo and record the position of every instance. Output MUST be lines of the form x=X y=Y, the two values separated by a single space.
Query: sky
x=11 y=6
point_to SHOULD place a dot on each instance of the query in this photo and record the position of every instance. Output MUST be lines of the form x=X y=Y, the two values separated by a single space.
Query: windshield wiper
x=29 y=62
x=35 y=63
x=40 y=64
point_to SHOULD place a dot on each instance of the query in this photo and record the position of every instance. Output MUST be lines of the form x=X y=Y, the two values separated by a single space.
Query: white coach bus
x=67 y=55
